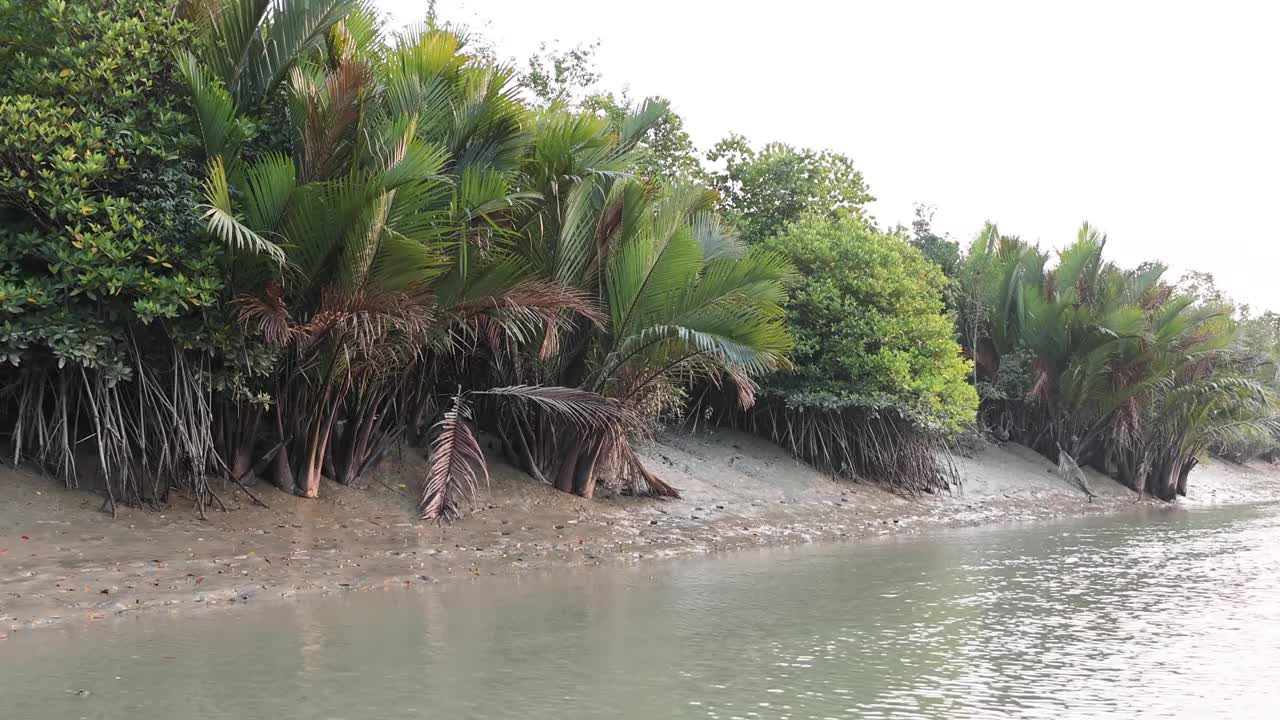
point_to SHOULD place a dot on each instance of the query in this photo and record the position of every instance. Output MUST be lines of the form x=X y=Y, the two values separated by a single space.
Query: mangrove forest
x=255 y=243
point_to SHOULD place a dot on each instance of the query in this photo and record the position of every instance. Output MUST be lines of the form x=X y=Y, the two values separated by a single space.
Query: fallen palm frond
x=1070 y=472
x=637 y=479
x=457 y=465
x=457 y=461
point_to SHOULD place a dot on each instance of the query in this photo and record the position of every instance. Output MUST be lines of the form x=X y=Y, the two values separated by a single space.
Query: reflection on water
x=1162 y=615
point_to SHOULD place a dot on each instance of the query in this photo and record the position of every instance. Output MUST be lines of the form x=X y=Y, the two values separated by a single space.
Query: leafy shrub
x=763 y=191
x=102 y=260
x=870 y=327
x=879 y=383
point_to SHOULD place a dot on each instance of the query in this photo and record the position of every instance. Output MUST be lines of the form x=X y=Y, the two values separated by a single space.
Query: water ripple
x=1169 y=615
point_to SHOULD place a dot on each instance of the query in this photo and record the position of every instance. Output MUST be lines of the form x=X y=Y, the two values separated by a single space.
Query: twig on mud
x=214 y=495
x=237 y=480
x=252 y=497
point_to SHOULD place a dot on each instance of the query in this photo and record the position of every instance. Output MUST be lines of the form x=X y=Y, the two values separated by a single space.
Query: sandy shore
x=61 y=560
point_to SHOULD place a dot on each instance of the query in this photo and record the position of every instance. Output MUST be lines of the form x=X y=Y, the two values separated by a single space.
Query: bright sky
x=1157 y=121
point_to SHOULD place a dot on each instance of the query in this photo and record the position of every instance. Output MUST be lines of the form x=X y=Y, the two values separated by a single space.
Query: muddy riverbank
x=61 y=560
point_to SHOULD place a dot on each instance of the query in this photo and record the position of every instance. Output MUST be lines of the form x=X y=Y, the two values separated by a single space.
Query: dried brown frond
x=330 y=115
x=652 y=393
x=1069 y=471
x=200 y=13
x=341 y=43
x=481 y=236
x=480 y=328
x=1156 y=297
x=457 y=465
x=367 y=319
x=1043 y=387
x=642 y=482
x=746 y=388
x=538 y=298
x=1083 y=288
x=550 y=339
x=268 y=315
x=610 y=221
x=589 y=411
x=986 y=358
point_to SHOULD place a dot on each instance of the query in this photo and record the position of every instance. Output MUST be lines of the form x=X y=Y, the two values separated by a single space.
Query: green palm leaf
x=222 y=130
x=223 y=223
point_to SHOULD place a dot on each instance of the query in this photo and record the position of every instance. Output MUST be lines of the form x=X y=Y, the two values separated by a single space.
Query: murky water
x=1154 y=616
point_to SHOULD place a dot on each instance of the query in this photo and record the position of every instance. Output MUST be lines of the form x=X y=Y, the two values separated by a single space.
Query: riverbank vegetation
x=878 y=385
x=1092 y=364
x=243 y=240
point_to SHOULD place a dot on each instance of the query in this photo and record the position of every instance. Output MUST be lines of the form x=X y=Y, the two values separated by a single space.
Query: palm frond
x=717 y=238
x=224 y=225
x=457 y=465
x=589 y=411
x=222 y=130
x=329 y=111
x=642 y=119
x=268 y=185
x=228 y=31
x=282 y=36
x=647 y=273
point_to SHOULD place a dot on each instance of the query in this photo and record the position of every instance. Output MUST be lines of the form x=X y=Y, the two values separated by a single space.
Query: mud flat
x=62 y=560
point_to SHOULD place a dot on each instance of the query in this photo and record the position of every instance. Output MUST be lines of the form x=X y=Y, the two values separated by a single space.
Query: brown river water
x=1156 y=614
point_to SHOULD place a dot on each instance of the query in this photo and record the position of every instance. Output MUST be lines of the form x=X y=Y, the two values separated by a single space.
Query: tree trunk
x=242 y=462
x=308 y=481
x=584 y=476
x=522 y=451
x=343 y=457
x=282 y=469
x=1187 y=467
x=569 y=465
x=361 y=438
x=316 y=452
x=242 y=442
x=1164 y=481
x=1128 y=475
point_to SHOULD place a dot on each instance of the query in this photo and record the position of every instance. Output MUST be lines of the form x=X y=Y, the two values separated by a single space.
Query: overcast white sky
x=1157 y=121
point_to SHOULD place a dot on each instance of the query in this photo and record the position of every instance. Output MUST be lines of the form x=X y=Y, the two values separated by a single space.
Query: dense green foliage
x=414 y=214
x=96 y=183
x=878 y=381
x=682 y=303
x=1256 y=346
x=870 y=328
x=349 y=244
x=566 y=79
x=101 y=258
x=556 y=75
x=261 y=238
x=1091 y=364
x=664 y=154
x=764 y=190
x=941 y=251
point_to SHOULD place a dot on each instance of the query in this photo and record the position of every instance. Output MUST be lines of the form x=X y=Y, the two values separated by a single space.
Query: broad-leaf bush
x=879 y=383
x=870 y=326
x=102 y=260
